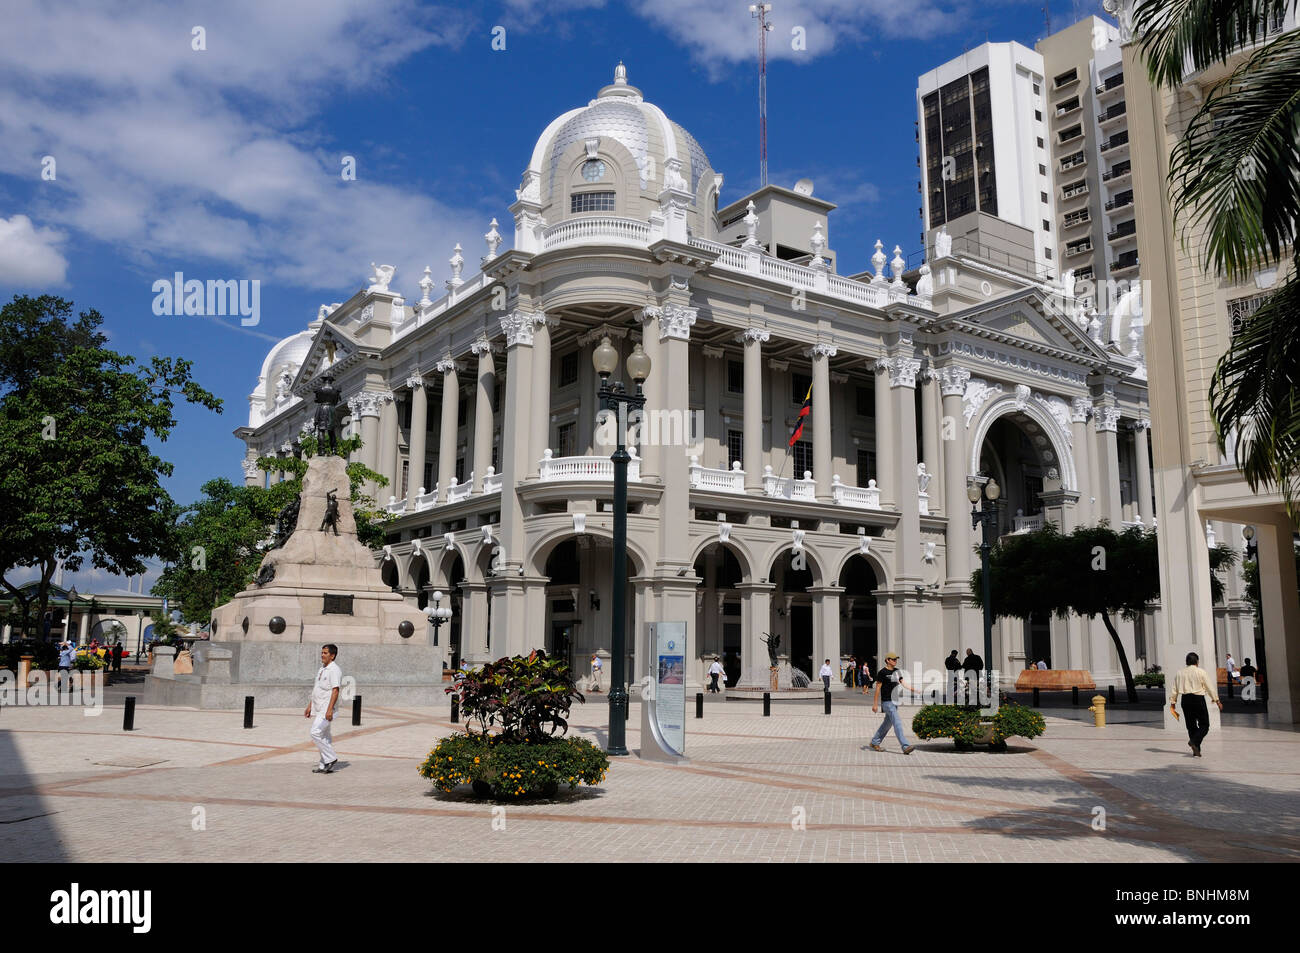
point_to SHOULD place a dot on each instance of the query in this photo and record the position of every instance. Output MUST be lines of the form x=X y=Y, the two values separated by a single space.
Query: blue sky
x=224 y=163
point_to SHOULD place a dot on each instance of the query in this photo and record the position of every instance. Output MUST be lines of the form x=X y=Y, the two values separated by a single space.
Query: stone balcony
x=553 y=469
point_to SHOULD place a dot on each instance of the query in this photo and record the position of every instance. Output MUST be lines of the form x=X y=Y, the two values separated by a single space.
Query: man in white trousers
x=324 y=696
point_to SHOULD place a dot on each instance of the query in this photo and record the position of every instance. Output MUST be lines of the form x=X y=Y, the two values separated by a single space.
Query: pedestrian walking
x=67 y=655
x=1193 y=685
x=1231 y=666
x=118 y=652
x=715 y=670
x=868 y=667
x=826 y=674
x=851 y=672
x=886 y=680
x=324 y=696
x=596 y=666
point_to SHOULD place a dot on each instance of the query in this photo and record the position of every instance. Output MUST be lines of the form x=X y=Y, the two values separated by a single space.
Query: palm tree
x=1236 y=173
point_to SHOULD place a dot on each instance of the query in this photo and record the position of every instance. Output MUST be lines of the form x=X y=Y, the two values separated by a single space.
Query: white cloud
x=29 y=257
x=210 y=158
x=722 y=34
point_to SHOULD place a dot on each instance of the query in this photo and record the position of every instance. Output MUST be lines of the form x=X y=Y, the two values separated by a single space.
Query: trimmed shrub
x=514 y=769
x=965 y=726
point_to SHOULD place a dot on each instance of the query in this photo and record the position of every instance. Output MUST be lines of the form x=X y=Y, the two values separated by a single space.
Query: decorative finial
x=897 y=266
x=878 y=262
x=457 y=261
x=620 y=74
x=493 y=241
x=426 y=285
x=751 y=227
x=818 y=242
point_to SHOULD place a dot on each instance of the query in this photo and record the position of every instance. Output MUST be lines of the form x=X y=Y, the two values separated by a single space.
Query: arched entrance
x=718 y=609
x=579 y=603
x=792 y=608
x=454 y=573
x=859 y=623
x=1022 y=459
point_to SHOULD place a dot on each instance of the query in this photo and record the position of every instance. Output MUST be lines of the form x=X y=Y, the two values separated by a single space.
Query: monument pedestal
x=321 y=586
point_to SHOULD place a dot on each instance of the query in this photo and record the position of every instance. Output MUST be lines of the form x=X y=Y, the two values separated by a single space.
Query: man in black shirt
x=972 y=666
x=953 y=665
x=1248 y=671
x=886 y=679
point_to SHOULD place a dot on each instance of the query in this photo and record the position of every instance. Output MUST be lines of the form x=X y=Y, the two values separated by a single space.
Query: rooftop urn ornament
x=620 y=74
x=457 y=261
x=897 y=266
x=1094 y=326
x=327 y=398
x=493 y=238
x=878 y=263
x=751 y=227
x=383 y=274
x=426 y=286
x=942 y=243
x=818 y=242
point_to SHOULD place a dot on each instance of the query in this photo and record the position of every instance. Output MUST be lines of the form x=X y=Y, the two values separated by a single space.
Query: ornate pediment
x=332 y=349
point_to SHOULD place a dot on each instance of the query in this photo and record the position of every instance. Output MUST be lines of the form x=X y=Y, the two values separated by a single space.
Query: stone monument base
x=280 y=674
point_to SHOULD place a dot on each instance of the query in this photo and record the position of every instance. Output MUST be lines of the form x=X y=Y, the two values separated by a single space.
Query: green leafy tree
x=1093 y=571
x=219 y=540
x=1243 y=190
x=78 y=479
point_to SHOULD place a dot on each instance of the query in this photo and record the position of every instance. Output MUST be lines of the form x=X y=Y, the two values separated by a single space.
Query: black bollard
x=455 y=709
x=128 y=715
x=1111 y=695
x=1035 y=697
x=699 y=704
x=356 y=710
x=1074 y=695
x=827 y=701
x=627 y=708
x=248 y=711
x=767 y=704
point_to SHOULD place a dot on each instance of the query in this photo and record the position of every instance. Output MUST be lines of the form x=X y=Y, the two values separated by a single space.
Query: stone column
x=884 y=474
x=365 y=408
x=540 y=406
x=778 y=449
x=902 y=385
x=1080 y=407
x=952 y=381
x=672 y=393
x=1281 y=611
x=474 y=623
x=754 y=339
x=821 y=418
x=755 y=618
x=83 y=633
x=1107 y=448
x=483 y=419
x=655 y=390
x=1140 y=428
x=714 y=384
x=253 y=476
x=930 y=425
x=826 y=629
x=386 y=453
x=448 y=429
x=419 y=429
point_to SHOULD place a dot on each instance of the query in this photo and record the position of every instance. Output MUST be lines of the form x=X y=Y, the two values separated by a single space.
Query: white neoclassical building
x=479 y=404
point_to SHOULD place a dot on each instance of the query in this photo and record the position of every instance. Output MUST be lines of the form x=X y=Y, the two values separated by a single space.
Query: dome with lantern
x=616 y=157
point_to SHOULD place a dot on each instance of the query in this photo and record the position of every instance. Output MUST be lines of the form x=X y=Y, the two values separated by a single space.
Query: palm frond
x=1236 y=170
x=1255 y=395
x=1178 y=36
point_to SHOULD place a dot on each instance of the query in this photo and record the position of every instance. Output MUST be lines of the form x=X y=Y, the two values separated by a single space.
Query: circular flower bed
x=514 y=769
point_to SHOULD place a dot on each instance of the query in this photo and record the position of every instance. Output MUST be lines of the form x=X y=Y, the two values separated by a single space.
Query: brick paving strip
x=1131 y=818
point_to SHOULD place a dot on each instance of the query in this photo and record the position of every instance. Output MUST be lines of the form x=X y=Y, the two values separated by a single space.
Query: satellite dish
x=804 y=186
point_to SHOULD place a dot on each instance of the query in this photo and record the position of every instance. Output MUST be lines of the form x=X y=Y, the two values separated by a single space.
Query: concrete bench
x=1054 y=680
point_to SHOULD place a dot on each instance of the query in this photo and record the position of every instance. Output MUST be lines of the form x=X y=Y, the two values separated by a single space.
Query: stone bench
x=1223 y=678
x=1054 y=680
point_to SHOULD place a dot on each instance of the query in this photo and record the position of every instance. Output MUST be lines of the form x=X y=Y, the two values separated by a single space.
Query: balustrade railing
x=861 y=497
x=553 y=468
x=718 y=481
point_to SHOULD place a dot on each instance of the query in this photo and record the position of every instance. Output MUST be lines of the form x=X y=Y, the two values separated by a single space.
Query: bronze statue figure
x=287 y=521
x=327 y=398
x=331 y=512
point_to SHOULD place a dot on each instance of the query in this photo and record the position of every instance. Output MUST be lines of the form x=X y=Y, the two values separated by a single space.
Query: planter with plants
x=968 y=728
x=514 y=745
x=1151 y=678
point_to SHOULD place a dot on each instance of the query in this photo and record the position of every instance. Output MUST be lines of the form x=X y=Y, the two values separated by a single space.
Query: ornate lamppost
x=614 y=397
x=437 y=613
x=987 y=516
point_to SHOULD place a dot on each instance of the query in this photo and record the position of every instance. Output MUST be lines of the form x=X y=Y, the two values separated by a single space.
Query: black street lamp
x=437 y=614
x=1248 y=533
x=987 y=516
x=613 y=397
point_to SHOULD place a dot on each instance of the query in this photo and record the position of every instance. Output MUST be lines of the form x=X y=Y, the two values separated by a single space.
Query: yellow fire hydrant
x=1098 y=710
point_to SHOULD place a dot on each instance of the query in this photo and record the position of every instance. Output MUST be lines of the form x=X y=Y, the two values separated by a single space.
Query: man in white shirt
x=1231 y=666
x=324 y=696
x=826 y=674
x=1194 y=686
x=715 y=672
x=1041 y=666
x=596 y=666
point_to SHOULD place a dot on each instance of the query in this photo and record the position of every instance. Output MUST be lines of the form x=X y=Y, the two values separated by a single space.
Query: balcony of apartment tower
x=1119 y=173
x=1110 y=89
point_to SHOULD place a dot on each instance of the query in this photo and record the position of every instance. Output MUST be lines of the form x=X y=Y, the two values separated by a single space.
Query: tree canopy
x=78 y=478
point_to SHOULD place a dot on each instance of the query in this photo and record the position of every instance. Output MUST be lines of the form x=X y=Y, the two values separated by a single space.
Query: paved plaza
x=796 y=786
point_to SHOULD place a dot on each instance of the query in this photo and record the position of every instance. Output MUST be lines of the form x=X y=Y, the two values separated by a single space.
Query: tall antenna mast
x=760 y=11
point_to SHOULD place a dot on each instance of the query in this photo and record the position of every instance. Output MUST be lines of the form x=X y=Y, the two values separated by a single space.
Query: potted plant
x=967 y=727
x=516 y=747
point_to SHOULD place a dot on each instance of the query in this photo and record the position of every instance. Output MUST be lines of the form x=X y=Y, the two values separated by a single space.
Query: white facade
x=479 y=405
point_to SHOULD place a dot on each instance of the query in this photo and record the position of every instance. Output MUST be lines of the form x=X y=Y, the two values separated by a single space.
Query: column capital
x=754 y=336
x=821 y=351
x=1080 y=407
x=365 y=404
x=675 y=321
x=518 y=326
x=777 y=365
x=251 y=469
x=1107 y=419
x=952 y=379
x=483 y=347
x=902 y=371
x=1141 y=423
x=713 y=352
x=446 y=366
x=414 y=381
